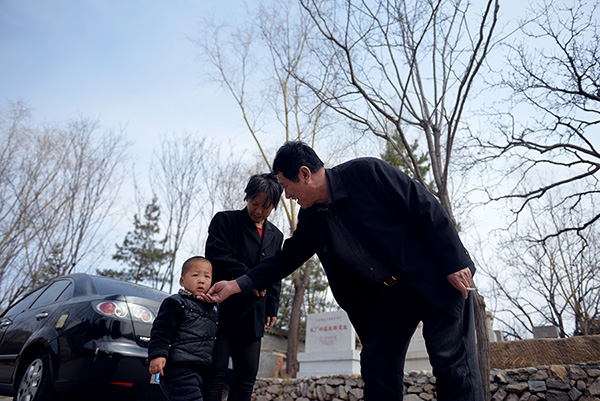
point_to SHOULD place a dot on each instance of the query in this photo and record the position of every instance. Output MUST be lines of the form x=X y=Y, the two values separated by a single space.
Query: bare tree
x=554 y=281
x=177 y=179
x=58 y=185
x=266 y=55
x=225 y=173
x=553 y=81
x=404 y=72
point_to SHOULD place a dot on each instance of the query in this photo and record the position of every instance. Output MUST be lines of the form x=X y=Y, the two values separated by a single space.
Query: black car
x=79 y=337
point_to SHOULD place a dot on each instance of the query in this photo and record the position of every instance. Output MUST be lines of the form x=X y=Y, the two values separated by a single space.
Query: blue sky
x=127 y=63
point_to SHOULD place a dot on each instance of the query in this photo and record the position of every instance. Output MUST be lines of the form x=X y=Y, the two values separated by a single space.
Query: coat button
x=263 y=253
x=324 y=249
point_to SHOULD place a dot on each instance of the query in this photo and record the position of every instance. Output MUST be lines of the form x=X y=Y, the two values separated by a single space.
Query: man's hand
x=157 y=365
x=270 y=322
x=260 y=294
x=461 y=280
x=220 y=291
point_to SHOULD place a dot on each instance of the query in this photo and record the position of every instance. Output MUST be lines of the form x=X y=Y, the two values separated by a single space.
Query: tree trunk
x=293 y=340
x=483 y=342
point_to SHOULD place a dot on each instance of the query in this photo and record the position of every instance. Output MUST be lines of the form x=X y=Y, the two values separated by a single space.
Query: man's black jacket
x=393 y=217
x=234 y=248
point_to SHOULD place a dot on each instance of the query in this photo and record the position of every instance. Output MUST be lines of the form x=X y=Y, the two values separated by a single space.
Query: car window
x=51 y=293
x=24 y=303
x=66 y=294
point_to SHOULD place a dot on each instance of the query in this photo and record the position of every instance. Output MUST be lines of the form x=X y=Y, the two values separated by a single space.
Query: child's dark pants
x=184 y=386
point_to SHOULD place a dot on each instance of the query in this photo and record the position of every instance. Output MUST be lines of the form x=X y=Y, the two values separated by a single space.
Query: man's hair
x=291 y=156
x=264 y=184
x=191 y=261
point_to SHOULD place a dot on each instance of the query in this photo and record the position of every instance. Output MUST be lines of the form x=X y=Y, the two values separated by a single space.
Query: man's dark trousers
x=393 y=318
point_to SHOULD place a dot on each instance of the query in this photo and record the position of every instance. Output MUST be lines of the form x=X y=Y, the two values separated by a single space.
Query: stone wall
x=578 y=382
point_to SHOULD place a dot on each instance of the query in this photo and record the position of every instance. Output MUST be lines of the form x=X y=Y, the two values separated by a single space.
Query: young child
x=183 y=334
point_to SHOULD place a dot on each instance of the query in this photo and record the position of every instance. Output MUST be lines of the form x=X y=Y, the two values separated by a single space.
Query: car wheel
x=33 y=383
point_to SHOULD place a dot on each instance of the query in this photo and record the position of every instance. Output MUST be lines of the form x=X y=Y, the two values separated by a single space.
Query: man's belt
x=390 y=281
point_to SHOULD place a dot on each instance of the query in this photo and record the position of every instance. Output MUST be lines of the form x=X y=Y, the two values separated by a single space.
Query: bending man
x=393 y=258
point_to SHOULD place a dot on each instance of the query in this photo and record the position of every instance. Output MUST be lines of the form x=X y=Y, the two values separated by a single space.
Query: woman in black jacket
x=237 y=241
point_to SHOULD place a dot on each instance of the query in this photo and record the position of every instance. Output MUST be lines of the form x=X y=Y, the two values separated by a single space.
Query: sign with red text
x=329 y=331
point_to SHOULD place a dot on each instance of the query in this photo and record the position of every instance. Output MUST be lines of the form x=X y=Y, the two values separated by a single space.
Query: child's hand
x=157 y=365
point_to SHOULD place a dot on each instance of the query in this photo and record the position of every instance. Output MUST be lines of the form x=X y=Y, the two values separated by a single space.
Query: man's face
x=197 y=278
x=298 y=191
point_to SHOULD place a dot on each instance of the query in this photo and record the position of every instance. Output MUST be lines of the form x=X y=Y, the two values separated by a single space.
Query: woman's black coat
x=234 y=248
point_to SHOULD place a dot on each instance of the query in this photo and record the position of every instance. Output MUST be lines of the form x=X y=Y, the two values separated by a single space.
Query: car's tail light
x=120 y=309
x=112 y=308
x=141 y=313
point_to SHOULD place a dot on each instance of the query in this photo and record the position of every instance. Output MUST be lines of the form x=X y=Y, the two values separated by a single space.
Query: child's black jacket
x=184 y=332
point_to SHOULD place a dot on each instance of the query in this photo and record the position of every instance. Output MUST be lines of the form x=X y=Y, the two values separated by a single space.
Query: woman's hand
x=270 y=322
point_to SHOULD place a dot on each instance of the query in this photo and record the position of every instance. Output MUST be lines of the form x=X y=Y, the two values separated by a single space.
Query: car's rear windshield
x=108 y=286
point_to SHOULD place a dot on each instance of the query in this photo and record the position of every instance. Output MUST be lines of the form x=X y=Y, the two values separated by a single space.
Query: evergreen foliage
x=140 y=250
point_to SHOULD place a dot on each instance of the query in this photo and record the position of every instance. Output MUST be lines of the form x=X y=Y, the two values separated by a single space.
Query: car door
x=7 y=325
x=25 y=318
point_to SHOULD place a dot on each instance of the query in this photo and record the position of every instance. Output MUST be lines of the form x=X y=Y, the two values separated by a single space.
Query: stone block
x=329 y=331
x=414 y=390
x=517 y=388
x=356 y=394
x=501 y=377
x=574 y=394
x=558 y=371
x=541 y=374
x=525 y=396
x=336 y=381
x=537 y=386
x=593 y=372
x=594 y=389
x=545 y=332
x=556 y=395
x=558 y=384
x=500 y=395
x=577 y=373
x=326 y=363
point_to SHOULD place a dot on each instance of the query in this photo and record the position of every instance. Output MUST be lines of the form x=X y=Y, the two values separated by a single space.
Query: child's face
x=197 y=278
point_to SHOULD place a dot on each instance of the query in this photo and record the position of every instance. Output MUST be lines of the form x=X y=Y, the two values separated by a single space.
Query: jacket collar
x=335 y=186
x=268 y=232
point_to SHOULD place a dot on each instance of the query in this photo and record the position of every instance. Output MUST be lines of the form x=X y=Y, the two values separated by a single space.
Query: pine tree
x=141 y=251
x=316 y=300
x=392 y=157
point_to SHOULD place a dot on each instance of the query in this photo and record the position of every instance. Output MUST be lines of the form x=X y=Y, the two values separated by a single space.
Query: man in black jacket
x=393 y=258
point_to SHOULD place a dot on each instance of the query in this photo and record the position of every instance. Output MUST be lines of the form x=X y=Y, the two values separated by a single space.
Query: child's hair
x=193 y=259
